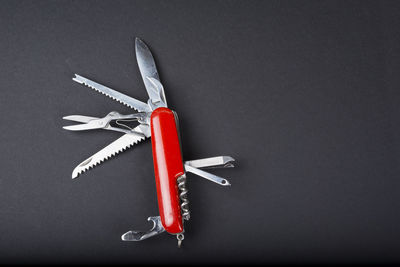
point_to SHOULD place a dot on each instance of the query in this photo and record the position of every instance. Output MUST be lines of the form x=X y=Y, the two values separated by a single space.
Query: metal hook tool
x=140 y=235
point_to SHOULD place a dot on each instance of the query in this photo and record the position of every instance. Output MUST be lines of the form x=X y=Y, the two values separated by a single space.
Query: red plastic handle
x=168 y=166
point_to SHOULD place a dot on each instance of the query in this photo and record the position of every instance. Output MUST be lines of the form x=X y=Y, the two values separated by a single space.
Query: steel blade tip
x=73 y=127
x=140 y=45
x=138 y=41
x=68 y=118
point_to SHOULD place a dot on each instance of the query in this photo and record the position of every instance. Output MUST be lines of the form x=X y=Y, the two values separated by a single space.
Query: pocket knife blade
x=148 y=70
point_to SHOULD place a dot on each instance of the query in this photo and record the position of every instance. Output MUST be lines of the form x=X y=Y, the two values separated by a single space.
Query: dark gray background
x=304 y=94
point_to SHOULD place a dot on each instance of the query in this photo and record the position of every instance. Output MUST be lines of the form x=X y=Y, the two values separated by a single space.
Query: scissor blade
x=122 y=98
x=149 y=73
x=119 y=145
x=86 y=126
x=79 y=118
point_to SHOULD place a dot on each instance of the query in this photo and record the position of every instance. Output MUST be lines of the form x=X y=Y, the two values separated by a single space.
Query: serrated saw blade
x=119 y=145
x=122 y=98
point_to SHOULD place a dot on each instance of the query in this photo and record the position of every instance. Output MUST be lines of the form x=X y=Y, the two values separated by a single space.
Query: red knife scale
x=168 y=166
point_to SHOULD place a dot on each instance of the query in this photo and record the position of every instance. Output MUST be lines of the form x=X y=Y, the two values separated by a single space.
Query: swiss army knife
x=154 y=119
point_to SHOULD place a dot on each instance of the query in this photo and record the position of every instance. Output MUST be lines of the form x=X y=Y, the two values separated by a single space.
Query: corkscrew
x=183 y=196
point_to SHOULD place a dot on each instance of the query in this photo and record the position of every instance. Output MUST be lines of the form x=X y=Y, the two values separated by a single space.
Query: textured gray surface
x=303 y=94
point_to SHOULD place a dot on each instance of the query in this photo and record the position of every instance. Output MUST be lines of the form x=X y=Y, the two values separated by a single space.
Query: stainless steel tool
x=154 y=119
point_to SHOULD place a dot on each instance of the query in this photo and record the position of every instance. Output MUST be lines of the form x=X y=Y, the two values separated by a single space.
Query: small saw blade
x=119 y=145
